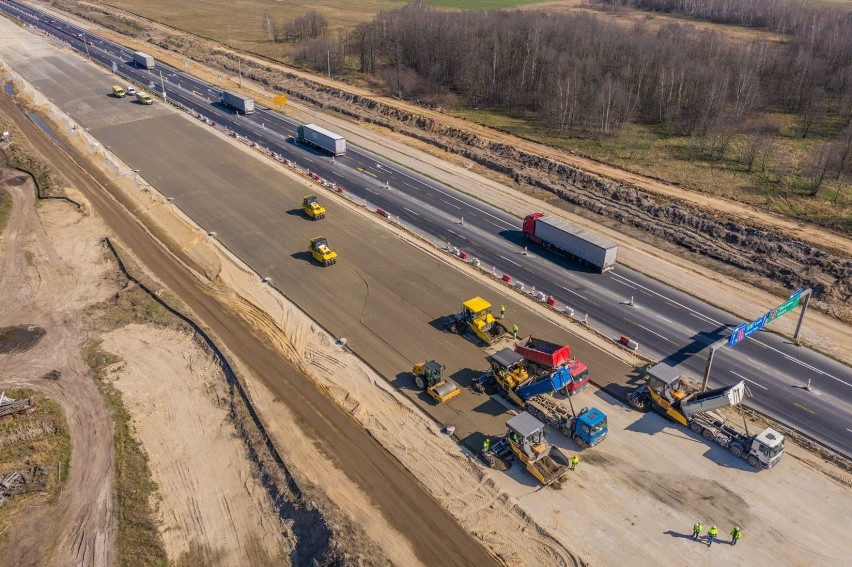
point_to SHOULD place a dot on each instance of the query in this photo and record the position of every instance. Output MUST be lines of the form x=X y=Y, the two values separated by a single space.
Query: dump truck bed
x=543 y=353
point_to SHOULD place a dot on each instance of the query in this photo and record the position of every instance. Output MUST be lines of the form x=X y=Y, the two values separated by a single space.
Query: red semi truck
x=545 y=357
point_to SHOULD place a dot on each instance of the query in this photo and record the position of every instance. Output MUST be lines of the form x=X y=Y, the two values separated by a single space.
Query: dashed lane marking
x=804 y=408
x=747 y=380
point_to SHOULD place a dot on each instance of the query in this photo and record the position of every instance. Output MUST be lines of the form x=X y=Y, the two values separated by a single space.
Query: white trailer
x=581 y=244
x=143 y=60
x=237 y=101
x=311 y=134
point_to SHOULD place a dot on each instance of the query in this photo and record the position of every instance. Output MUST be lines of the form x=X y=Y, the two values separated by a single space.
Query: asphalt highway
x=670 y=325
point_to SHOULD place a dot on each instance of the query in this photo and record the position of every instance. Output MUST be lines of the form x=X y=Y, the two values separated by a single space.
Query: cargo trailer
x=238 y=102
x=321 y=138
x=578 y=243
x=143 y=60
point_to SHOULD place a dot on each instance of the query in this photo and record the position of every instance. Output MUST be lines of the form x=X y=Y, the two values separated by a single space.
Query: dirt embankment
x=773 y=253
x=58 y=278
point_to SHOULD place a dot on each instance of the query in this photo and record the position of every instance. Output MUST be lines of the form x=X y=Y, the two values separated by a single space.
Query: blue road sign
x=746 y=329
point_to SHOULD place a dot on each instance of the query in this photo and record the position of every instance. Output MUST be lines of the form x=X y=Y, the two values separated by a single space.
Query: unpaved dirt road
x=432 y=532
x=48 y=282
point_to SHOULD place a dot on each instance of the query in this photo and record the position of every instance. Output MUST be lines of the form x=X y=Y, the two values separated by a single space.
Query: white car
x=131 y=91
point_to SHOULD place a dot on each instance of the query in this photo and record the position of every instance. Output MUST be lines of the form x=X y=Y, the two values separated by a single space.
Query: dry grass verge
x=138 y=542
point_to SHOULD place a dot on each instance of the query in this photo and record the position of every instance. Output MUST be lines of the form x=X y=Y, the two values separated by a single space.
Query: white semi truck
x=143 y=60
x=313 y=135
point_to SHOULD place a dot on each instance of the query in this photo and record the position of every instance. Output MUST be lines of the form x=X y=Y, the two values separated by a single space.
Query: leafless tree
x=817 y=165
x=268 y=26
x=759 y=135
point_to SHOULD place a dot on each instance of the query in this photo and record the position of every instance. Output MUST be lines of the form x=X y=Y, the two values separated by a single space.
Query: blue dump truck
x=509 y=374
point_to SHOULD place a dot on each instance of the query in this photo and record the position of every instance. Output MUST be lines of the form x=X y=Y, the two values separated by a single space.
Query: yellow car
x=118 y=92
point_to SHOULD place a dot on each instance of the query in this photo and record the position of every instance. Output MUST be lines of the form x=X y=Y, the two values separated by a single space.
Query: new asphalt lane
x=670 y=325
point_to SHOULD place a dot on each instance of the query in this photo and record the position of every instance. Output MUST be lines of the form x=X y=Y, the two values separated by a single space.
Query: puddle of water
x=10 y=89
x=20 y=338
x=48 y=130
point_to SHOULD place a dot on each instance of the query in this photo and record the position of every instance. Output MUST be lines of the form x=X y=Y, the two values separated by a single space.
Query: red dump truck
x=544 y=357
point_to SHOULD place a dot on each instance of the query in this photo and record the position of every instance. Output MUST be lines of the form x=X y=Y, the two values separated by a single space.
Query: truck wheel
x=581 y=443
x=637 y=402
x=752 y=460
x=420 y=382
x=696 y=427
x=736 y=450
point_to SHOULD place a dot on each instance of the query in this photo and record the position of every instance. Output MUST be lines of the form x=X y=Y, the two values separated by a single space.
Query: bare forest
x=586 y=76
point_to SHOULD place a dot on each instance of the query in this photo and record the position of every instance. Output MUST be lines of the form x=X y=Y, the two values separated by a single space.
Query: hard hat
x=736 y=527
x=714 y=525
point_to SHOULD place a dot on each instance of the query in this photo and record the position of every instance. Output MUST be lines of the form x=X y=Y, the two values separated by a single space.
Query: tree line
x=583 y=75
x=782 y=16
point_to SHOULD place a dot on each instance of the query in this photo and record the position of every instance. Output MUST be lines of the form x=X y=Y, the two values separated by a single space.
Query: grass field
x=5 y=208
x=649 y=151
x=211 y=18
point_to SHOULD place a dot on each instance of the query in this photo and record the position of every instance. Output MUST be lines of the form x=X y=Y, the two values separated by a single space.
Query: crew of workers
x=713 y=533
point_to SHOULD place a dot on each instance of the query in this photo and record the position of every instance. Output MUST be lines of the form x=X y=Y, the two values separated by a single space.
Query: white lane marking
x=403 y=174
x=849 y=430
x=575 y=293
x=626 y=284
x=457 y=234
x=698 y=315
x=802 y=363
x=747 y=380
x=511 y=261
x=415 y=213
x=649 y=330
x=450 y=204
x=615 y=275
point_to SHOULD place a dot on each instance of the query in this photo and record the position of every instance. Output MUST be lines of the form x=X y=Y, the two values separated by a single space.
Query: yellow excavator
x=429 y=376
x=476 y=316
x=312 y=207
x=321 y=251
